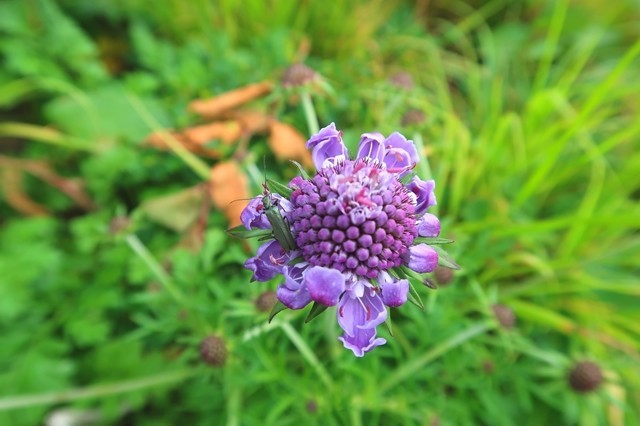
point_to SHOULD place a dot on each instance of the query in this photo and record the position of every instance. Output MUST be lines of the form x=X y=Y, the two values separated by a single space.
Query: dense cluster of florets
x=348 y=236
x=354 y=217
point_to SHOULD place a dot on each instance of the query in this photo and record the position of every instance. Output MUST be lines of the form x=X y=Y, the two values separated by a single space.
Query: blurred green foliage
x=532 y=133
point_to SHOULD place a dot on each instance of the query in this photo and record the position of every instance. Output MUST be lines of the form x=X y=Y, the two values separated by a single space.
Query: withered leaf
x=232 y=99
x=229 y=190
x=288 y=144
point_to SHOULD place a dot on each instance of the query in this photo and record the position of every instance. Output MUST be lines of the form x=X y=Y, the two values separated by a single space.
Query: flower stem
x=95 y=391
x=307 y=353
x=310 y=113
x=409 y=369
x=198 y=166
x=165 y=280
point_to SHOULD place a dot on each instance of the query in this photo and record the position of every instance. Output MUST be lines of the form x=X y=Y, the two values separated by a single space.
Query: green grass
x=532 y=137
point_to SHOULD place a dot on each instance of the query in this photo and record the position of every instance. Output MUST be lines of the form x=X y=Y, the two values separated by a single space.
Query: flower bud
x=213 y=351
x=266 y=301
x=298 y=75
x=505 y=316
x=585 y=376
x=443 y=275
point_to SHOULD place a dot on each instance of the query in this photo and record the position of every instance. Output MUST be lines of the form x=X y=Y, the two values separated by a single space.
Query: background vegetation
x=114 y=266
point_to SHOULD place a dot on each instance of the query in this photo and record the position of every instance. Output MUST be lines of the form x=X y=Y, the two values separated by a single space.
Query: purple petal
x=371 y=146
x=428 y=226
x=398 y=161
x=325 y=285
x=401 y=154
x=421 y=258
x=423 y=189
x=363 y=342
x=394 y=292
x=294 y=293
x=359 y=317
x=325 y=134
x=253 y=217
x=326 y=152
x=396 y=140
x=268 y=262
x=359 y=313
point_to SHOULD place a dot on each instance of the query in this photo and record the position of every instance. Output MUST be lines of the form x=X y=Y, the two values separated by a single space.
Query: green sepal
x=432 y=241
x=316 y=310
x=241 y=232
x=277 y=308
x=296 y=260
x=414 y=297
x=279 y=188
x=428 y=282
x=445 y=259
x=387 y=323
x=303 y=173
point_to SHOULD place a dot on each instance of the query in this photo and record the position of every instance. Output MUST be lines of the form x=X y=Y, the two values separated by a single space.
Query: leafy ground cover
x=114 y=261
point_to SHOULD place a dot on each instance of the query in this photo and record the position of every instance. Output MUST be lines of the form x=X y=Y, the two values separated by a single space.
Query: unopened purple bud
x=394 y=292
x=294 y=293
x=421 y=258
x=428 y=226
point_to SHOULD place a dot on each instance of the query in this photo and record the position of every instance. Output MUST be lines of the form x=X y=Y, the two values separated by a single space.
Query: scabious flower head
x=360 y=227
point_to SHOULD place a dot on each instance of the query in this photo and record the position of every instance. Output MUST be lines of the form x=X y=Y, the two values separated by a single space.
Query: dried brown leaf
x=288 y=144
x=229 y=190
x=197 y=139
x=232 y=99
x=176 y=211
x=14 y=194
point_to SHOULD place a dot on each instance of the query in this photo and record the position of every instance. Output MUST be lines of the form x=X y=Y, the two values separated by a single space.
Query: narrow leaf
x=277 y=308
x=303 y=173
x=387 y=324
x=414 y=297
x=445 y=259
x=241 y=232
x=279 y=188
x=432 y=241
x=316 y=310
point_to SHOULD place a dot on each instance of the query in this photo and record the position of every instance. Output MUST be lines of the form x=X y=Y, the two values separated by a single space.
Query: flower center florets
x=354 y=217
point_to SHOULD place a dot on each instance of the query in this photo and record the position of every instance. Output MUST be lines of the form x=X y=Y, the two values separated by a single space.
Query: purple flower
x=394 y=291
x=359 y=316
x=325 y=134
x=421 y=258
x=325 y=285
x=401 y=154
x=354 y=224
x=294 y=293
x=371 y=146
x=269 y=261
x=253 y=215
x=423 y=190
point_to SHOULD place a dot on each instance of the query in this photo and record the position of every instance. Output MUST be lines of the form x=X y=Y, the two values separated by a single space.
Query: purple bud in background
x=394 y=291
x=428 y=226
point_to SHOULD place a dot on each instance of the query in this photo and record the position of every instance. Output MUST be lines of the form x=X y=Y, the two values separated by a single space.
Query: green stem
x=198 y=166
x=45 y=135
x=307 y=353
x=310 y=113
x=156 y=269
x=96 y=391
x=412 y=367
x=165 y=280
